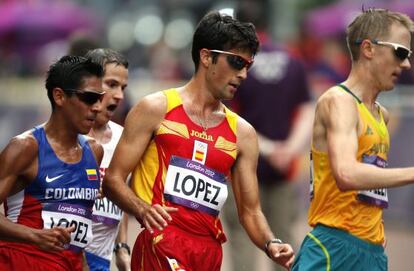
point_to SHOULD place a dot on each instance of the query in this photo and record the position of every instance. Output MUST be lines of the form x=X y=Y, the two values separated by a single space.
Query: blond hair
x=372 y=24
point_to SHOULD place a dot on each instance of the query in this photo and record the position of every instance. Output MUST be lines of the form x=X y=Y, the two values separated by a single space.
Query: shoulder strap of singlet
x=173 y=99
x=350 y=92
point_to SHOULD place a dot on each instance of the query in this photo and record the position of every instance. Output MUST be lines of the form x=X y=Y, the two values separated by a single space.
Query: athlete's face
x=388 y=66
x=223 y=76
x=82 y=107
x=114 y=83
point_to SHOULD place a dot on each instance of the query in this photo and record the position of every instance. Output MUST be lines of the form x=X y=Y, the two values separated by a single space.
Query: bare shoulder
x=20 y=152
x=152 y=104
x=246 y=134
x=335 y=103
x=24 y=144
x=96 y=147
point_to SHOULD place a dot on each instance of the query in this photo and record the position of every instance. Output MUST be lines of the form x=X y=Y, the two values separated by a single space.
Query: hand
x=281 y=157
x=156 y=216
x=282 y=254
x=123 y=260
x=54 y=239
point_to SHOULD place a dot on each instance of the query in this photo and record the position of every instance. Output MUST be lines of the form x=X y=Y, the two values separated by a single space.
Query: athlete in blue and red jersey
x=49 y=176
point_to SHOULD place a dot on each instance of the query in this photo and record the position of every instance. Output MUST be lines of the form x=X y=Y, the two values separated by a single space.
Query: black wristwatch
x=271 y=241
x=122 y=245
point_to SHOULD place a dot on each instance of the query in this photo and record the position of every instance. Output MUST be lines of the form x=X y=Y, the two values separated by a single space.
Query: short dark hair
x=223 y=32
x=105 y=56
x=69 y=72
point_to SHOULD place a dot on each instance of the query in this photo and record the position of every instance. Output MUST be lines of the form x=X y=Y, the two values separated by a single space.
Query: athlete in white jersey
x=107 y=227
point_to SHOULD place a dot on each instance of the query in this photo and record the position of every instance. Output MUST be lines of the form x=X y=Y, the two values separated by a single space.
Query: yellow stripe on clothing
x=325 y=251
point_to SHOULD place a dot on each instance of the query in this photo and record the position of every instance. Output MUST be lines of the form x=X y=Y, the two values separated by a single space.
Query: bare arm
x=123 y=259
x=337 y=114
x=246 y=194
x=141 y=122
x=97 y=150
x=18 y=166
x=281 y=153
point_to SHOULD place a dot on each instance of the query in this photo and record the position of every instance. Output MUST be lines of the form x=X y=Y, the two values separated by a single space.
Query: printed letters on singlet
x=192 y=184
x=66 y=215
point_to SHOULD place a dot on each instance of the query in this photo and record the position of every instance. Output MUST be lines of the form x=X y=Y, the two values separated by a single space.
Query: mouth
x=112 y=107
x=234 y=85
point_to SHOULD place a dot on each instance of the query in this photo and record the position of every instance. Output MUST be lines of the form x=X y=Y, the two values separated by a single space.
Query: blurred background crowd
x=155 y=36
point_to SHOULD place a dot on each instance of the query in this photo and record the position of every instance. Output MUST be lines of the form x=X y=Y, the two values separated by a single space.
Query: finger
x=290 y=262
x=160 y=214
x=165 y=209
x=148 y=226
x=170 y=209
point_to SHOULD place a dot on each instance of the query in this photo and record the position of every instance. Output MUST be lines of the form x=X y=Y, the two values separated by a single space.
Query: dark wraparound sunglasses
x=400 y=51
x=235 y=61
x=89 y=97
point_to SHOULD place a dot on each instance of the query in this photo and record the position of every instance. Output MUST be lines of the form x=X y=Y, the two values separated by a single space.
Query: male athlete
x=49 y=175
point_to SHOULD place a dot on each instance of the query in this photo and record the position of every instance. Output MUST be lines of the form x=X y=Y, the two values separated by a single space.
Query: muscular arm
x=140 y=125
x=18 y=166
x=246 y=194
x=337 y=113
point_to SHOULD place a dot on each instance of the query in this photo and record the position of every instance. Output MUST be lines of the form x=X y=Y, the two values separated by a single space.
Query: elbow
x=343 y=178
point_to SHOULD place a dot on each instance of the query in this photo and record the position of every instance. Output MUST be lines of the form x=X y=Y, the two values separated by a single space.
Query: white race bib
x=66 y=215
x=106 y=212
x=377 y=197
x=195 y=186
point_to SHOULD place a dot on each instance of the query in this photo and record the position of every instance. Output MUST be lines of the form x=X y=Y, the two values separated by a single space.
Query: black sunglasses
x=89 y=97
x=400 y=51
x=235 y=61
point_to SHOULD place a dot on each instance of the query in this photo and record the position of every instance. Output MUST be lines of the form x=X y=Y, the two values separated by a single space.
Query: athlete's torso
x=106 y=215
x=61 y=194
x=357 y=212
x=198 y=164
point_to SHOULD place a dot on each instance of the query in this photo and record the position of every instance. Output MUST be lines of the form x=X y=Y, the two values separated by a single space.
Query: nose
x=242 y=74
x=406 y=64
x=97 y=106
x=119 y=93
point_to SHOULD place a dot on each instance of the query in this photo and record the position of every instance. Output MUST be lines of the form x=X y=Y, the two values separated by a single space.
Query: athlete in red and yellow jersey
x=187 y=166
x=182 y=146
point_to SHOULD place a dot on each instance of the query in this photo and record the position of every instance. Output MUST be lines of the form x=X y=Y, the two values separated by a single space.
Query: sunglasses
x=235 y=61
x=400 y=51
x=89 y=97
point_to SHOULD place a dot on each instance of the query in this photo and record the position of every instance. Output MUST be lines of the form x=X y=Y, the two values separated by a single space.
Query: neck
x=57 y=130
x=102 y=133
x=196 y=95
x=362 y=84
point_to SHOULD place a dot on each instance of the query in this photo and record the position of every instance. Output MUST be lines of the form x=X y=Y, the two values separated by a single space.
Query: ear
x=367 y=49
x=205 y=57
x=59 y=96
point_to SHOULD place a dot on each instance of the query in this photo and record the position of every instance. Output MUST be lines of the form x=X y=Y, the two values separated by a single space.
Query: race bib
x=191 y=184
x=377 y=197
x=66 y=215
x=311 y=190
x=106 y=212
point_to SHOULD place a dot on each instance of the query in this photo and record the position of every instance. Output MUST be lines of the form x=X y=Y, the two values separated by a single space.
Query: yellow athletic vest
x=357 y=212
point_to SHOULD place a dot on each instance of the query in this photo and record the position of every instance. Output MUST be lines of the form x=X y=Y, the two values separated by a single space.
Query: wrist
x=269 y=242
x=120 y=246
